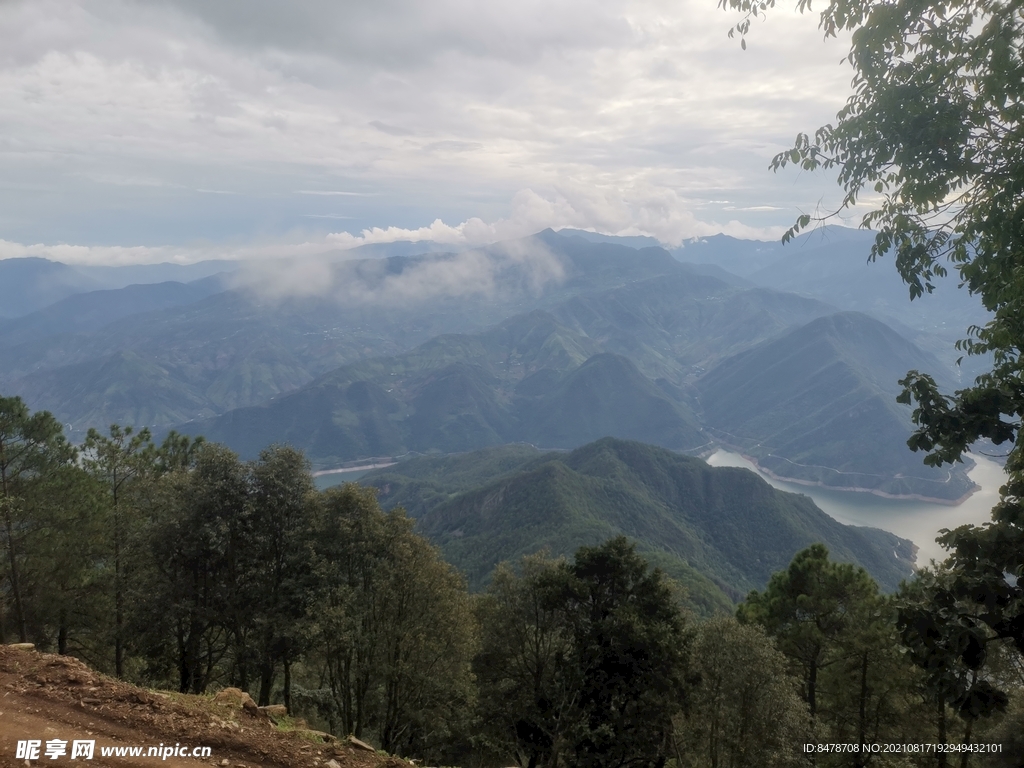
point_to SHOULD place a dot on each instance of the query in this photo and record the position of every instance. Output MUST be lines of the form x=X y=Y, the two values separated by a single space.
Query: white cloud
x=122 y=118
x=651 y=212
x=511 y=268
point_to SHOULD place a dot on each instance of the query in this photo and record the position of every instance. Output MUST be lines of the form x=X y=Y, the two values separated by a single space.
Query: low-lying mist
x=523 y=267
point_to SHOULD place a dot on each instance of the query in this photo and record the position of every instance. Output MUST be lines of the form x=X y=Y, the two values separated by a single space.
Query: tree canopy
x=932 y=138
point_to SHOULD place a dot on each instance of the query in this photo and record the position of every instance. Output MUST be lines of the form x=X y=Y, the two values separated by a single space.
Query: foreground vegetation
x=180 y=566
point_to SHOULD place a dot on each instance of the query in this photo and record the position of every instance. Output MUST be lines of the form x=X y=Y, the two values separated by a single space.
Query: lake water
x=331 y=479
x=918 y=521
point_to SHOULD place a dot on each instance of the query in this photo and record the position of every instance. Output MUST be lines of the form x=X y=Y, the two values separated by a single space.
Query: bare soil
x=45 y=696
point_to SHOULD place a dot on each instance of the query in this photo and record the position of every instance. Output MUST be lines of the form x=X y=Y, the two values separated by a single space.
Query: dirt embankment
x=49 y=698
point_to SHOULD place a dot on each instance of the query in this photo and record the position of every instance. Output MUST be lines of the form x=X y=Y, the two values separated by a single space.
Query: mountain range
x=555 y=340
x=240 y=347
x=831 y=264
x=719 y=531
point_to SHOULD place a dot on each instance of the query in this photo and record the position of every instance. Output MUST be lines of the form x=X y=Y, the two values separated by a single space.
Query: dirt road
x=48 y=698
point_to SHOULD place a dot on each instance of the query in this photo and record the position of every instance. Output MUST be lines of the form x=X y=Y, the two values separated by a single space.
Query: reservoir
x=919 y=521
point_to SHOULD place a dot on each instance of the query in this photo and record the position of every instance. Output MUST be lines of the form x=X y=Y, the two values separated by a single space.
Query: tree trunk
x=183 y=676
x=118 y=597
x=266 y=682
x=862 y=725
x=942 y=729
x=62 y=633
x=12 y=556
x=287 y=683
x=966 y=757
x=812 y=683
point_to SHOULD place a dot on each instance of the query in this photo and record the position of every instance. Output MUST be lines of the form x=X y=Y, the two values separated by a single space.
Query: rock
x=332 y=763
x=275 y=710
x=23 y=646
x=360 y=744
x=327 y=737
x=237 y=698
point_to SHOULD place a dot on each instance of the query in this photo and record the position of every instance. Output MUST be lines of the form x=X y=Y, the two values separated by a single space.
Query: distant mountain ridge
x=831 y=264
x=559 y=339
x=819 y=404
x=720 y=531
x=611 y=363
x=239 y=348
x=93 y=310
x=812 y=401
x=457 y=393
x=33 y=283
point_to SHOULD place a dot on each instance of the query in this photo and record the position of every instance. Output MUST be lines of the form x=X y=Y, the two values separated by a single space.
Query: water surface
x=919 y=521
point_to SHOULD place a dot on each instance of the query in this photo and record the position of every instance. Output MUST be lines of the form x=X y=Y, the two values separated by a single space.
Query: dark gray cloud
x=404 y=34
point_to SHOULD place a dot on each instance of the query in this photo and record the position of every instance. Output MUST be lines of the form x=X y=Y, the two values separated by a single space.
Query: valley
x=557 y=341
x=718 y=531
x=914 y=519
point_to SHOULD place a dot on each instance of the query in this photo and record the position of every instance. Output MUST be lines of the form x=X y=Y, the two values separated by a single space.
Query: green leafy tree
x=809 y=608
x=351 y=535
x=177 y=452
x=630 y=651
x=952 y=645
x=839 y=636
x=744 y=712
x=582 y=663
x=67 y=569
x=118 y=460
x=933 y=132
x=184 y=603
x=392 y=625
x=278 y=581
x=32 y=448
x=527 y=692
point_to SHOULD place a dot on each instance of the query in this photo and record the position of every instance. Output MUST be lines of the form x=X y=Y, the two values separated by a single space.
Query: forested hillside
x=721 y=531
x=179 y=566
x=819 y=404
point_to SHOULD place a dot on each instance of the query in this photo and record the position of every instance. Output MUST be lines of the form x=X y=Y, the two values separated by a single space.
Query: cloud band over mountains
x=662 y=216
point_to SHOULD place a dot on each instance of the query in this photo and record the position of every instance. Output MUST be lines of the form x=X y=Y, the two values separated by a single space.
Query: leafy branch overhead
x=930 y=137
x=932 y=141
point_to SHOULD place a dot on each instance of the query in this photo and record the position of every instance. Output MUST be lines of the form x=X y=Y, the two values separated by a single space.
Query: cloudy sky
x=150 y=131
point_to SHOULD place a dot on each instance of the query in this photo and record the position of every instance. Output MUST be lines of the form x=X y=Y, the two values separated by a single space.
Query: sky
x=178 y=130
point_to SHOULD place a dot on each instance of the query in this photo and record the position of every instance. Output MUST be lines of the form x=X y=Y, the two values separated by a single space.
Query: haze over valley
x=554 y=341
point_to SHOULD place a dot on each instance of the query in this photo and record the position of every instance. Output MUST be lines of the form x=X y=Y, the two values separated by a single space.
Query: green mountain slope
x=242 y=347
x=529 y=379
x=815 y=403
x=672 y=324
x=721 y=531
x=615 y=363
x=819 y=404
x=831 y=264
x=606 y=395
x=123 y=388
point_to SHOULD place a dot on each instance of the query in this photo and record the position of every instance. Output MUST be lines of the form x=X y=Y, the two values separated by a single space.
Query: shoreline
x=852 y=489
x=360 y=468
